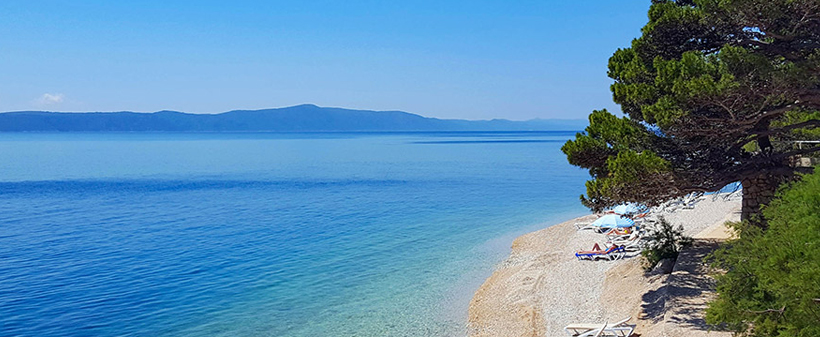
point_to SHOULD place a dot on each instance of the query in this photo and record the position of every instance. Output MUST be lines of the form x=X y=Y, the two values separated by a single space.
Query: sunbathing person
x=619 y=231
x=640 y=216
x=613 y=253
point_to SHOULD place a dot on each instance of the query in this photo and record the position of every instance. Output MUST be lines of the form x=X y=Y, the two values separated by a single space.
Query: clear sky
x=450 y=59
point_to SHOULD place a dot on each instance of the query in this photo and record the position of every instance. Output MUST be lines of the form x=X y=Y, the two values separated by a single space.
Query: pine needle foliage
x=771 y=284
x=664 y=242
x=713 y=92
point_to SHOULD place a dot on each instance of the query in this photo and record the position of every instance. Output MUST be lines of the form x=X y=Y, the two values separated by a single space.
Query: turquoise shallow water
x=265 y=234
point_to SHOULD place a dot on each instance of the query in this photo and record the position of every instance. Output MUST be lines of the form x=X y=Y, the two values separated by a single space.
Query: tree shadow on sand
x=683 y=298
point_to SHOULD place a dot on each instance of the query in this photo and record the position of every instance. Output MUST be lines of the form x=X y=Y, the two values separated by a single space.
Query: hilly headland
x=299 y=118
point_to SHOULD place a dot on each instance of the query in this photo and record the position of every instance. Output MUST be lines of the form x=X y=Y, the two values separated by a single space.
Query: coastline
x=541 y=287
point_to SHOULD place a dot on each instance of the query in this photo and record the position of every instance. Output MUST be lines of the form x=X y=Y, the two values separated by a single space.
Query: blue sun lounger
x=613 y=253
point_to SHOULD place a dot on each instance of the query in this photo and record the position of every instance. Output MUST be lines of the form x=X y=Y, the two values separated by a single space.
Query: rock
x=663 y=267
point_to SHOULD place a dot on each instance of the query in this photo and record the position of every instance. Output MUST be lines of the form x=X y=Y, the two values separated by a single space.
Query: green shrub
x=771 y=284
x=664 y=241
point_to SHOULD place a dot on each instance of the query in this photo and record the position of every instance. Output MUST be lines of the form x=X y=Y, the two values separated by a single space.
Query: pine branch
x=797 y=153
x=807 y=124
x=780 y=313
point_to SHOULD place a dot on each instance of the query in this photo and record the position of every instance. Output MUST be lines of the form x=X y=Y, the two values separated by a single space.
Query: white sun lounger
x=632 y=246
x=631 y=243
x=620 y=329
x=583 y=226
x=589 y=330
x=622 y=237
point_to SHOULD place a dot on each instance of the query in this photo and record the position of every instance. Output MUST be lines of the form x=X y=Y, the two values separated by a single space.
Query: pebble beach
x=541 y=287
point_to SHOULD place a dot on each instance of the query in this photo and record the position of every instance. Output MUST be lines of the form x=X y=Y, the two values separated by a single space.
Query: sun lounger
x=612 y=253
x=595 y=330
x=624 y=239
x=617 y=232
x=620 y=329
x=622 y=235
x=582 y=226
x=590 y=226
x=635 y=235
x=631 y=243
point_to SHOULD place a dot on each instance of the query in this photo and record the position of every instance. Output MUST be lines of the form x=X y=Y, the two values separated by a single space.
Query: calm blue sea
x=314 y=234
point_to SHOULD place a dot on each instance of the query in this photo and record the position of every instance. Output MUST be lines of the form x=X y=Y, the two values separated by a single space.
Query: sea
x=266 y=234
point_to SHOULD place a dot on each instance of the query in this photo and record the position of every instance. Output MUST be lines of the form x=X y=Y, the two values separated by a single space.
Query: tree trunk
x=757 y=191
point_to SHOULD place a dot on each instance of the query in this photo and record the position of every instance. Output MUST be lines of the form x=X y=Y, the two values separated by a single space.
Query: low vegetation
x=770 y=285
x=664 y=242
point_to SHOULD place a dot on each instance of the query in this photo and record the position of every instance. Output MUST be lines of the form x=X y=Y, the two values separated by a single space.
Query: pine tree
x=714 y=91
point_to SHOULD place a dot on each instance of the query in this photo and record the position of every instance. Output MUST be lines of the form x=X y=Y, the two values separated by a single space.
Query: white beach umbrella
x=613 y=221
x=624 y=209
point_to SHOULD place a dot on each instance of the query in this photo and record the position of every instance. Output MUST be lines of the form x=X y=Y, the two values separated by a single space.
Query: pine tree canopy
x=714 y=92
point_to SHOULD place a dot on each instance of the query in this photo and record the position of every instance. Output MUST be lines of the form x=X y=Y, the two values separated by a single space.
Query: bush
x=664 y=241
x=771 y=284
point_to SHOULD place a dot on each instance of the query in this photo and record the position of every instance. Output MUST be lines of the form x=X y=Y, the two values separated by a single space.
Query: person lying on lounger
x=619 y=231
x=613 y=253
x=640 y=216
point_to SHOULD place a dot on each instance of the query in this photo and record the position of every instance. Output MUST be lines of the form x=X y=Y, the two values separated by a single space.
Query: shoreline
x=541 y=287
x=456 y=304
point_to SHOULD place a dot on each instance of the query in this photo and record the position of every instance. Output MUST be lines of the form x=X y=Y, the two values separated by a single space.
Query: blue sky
x=450 y=59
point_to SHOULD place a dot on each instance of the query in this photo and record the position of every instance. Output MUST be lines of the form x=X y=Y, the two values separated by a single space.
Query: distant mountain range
x=291 y=119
